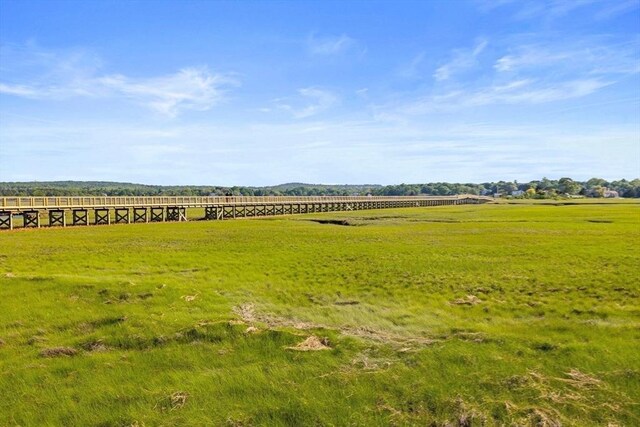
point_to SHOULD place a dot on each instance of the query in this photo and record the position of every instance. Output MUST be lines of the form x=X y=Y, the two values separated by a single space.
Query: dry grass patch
x=249 y=315
x=58 y=352
x=174 y=401
x=387 y=337
x=367 y=362
x=347 y=302
x=312 y=343
x=468 y=300
x=581 y=380
x=95 y=346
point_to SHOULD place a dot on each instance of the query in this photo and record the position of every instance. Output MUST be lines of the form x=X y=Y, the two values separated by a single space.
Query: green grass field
x=523 y=314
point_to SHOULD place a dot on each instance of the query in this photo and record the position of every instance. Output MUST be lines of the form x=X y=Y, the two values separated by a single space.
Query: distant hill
x=544 y=188
x=293 y=185
x=97 y=188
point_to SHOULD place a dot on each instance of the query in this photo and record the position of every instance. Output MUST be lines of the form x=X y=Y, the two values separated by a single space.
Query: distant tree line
x=544 y=188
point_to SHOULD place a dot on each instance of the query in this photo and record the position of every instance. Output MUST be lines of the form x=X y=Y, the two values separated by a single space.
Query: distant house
x=497 y=195
x=517 y=193
x=610 y=193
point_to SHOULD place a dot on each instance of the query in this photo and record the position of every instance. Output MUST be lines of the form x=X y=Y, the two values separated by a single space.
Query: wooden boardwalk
x=63 y=211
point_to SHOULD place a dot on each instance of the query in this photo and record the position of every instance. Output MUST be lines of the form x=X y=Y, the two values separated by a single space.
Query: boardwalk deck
x=159 y=209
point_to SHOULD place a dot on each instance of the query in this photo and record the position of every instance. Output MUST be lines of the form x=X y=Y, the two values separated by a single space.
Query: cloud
x=617 y=8
x=66 y=75
x=411 y=70
x=525 y=91
x=489 y=5
x=526 y=72
x=587 y=56
x=188 y=89
x=363 y=92
x=18 y=90
x=321 y=100
x=529 y=56
x=461 y=59
x=330 y=45
x=551 y=10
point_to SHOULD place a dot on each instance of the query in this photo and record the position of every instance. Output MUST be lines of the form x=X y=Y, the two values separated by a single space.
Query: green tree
x=568 y=186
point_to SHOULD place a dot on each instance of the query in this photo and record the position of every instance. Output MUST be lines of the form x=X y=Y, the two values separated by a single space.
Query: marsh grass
x=522 y=314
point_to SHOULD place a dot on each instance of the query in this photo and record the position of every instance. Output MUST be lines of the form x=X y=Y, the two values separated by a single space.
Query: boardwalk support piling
x=122 y=216
x=57 y=217
x=80 y=217
x=173 y=213
x=140 y=215
x=6 y=220
x=176 y=213
x=102 y=217
x=157 y=214
x=31 y=219
x=210 y=212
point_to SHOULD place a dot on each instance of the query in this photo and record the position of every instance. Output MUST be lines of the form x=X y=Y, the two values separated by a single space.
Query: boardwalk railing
x=158 y=209
x=25 y=203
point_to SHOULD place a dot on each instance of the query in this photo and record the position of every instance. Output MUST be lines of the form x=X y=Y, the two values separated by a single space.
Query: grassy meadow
x=501 y=314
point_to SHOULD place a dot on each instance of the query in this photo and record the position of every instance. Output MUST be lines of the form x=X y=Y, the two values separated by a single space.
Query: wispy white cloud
x=529 y=56
x=362 y=93
x=586 y=56
x=526 y=91
x=461 y=60
x=412 y=69
x=330 y=45
x=523 y=72
x=618 y=7
x=315 y=101
x=18 y=90
x=62 y=76
x=188 y=89
x=551 y=10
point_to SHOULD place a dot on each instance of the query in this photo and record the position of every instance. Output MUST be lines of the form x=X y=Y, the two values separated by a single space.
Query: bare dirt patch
x=58 y=352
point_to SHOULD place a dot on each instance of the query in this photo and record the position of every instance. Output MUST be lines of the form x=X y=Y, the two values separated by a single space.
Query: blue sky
x=259 y=93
